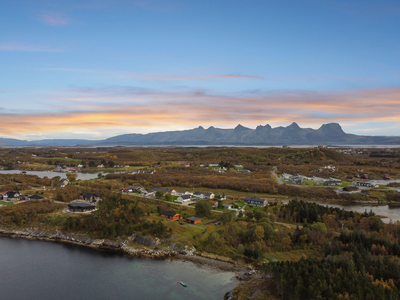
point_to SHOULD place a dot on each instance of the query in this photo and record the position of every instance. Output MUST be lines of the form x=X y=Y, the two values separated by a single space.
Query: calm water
x=51 y=174
x=391 y=214
x=38 y=270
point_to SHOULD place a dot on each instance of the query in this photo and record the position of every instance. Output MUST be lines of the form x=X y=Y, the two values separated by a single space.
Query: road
x=276 y=176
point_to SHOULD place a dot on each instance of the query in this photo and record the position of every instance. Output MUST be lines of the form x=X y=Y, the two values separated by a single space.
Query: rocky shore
x=170 y=252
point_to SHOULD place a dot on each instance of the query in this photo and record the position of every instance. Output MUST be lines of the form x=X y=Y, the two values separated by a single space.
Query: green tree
x=72 y=177
x=227 y=217
x=159 y=194
x=168 y=197
x=203 y=209
x=240 y=249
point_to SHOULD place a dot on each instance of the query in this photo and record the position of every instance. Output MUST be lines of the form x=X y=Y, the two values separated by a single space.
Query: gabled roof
x=169 y=213
x=36 y=197
x=254 y=199
x=202 y=193
x=11 y=194
x=193 y=219
x=162 y=189
x=81 y=205
x=185 y=196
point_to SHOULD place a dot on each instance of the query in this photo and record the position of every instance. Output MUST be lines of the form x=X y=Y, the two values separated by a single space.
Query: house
x=365 y=176
x=351 y=189
x=386 y=177
x=34 y=197
x=332 y=181
x=245 y=171
x=255 y=201
x=81 y=207
x=213 y=165
x=227 y=205
x=286 y=176
x=193 y=220
x=164 y=190
x=63 y=182
x=170 y=215
x=130 y=189
x=349 y=177
x=10 y=196
x=89 y=196
x=80 y=166
x=238 y=166
x=180 y=193
x=296 y=180
x=204 y=195
x=100 y=166
x=213 y=203
x=184 y=198
x=186 y=165
x=365 y=184
x=149 y=171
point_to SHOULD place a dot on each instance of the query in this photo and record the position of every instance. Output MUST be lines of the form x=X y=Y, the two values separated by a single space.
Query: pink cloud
x=119 y=108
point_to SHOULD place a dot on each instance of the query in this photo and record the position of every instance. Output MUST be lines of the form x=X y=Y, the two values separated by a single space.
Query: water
x=37 y=270
x=389 y=214
x=51 y=174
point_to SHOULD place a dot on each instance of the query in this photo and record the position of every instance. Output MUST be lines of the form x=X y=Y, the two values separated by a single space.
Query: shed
x=170 y=214
x=193 y=220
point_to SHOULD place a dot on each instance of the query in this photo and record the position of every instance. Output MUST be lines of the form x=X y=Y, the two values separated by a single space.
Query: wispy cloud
x=132 y=109
x=137 y=76
x=27 y=48
x=53 y=19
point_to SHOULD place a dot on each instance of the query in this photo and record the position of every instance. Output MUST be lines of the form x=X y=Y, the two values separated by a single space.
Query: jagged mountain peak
x=294 y=125
x=331 y=128
x=239 y=127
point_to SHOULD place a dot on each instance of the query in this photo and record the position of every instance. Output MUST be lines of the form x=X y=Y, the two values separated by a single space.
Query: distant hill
x=327 y=134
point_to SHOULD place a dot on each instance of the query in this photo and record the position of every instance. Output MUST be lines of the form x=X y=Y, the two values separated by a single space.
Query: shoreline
x=201 y=259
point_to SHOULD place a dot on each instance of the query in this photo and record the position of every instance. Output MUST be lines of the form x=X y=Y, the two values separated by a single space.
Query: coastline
x=202 y=259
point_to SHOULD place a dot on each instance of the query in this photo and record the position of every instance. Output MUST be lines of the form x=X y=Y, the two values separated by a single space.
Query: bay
x=51 y=174
x=37 y=270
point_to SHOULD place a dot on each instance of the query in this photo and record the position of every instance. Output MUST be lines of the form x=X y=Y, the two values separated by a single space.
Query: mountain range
x=327 y=134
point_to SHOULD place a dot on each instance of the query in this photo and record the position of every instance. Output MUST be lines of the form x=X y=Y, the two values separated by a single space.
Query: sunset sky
x=98 y=68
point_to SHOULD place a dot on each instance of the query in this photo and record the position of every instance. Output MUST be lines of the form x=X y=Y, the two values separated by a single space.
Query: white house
x=184 y=198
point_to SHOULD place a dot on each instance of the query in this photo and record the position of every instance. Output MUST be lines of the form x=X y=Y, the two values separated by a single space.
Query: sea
x=39 y=270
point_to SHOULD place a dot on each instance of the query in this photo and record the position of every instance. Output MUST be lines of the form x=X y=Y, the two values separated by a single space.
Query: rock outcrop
x=33 y=233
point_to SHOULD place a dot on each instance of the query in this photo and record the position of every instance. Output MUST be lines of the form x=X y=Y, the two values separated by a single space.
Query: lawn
x=6 y=203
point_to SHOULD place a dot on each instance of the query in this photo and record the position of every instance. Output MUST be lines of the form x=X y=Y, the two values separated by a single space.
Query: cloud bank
x=137 y=110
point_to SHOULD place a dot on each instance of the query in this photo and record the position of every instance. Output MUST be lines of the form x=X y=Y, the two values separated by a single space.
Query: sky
x=93 y=69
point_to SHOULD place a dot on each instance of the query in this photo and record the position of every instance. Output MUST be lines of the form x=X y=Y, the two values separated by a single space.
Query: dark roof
x=351 y=188
x=81 y=205
x=193 y=219
x=88 y=195
x=11 y=194
x=162 y=189
x=202 y=193
x=169 y=213
x=185 y=196
x=35 y=197
x=254 y=199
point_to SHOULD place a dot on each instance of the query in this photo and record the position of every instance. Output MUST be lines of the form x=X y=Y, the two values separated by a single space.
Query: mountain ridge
x=331 y=133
